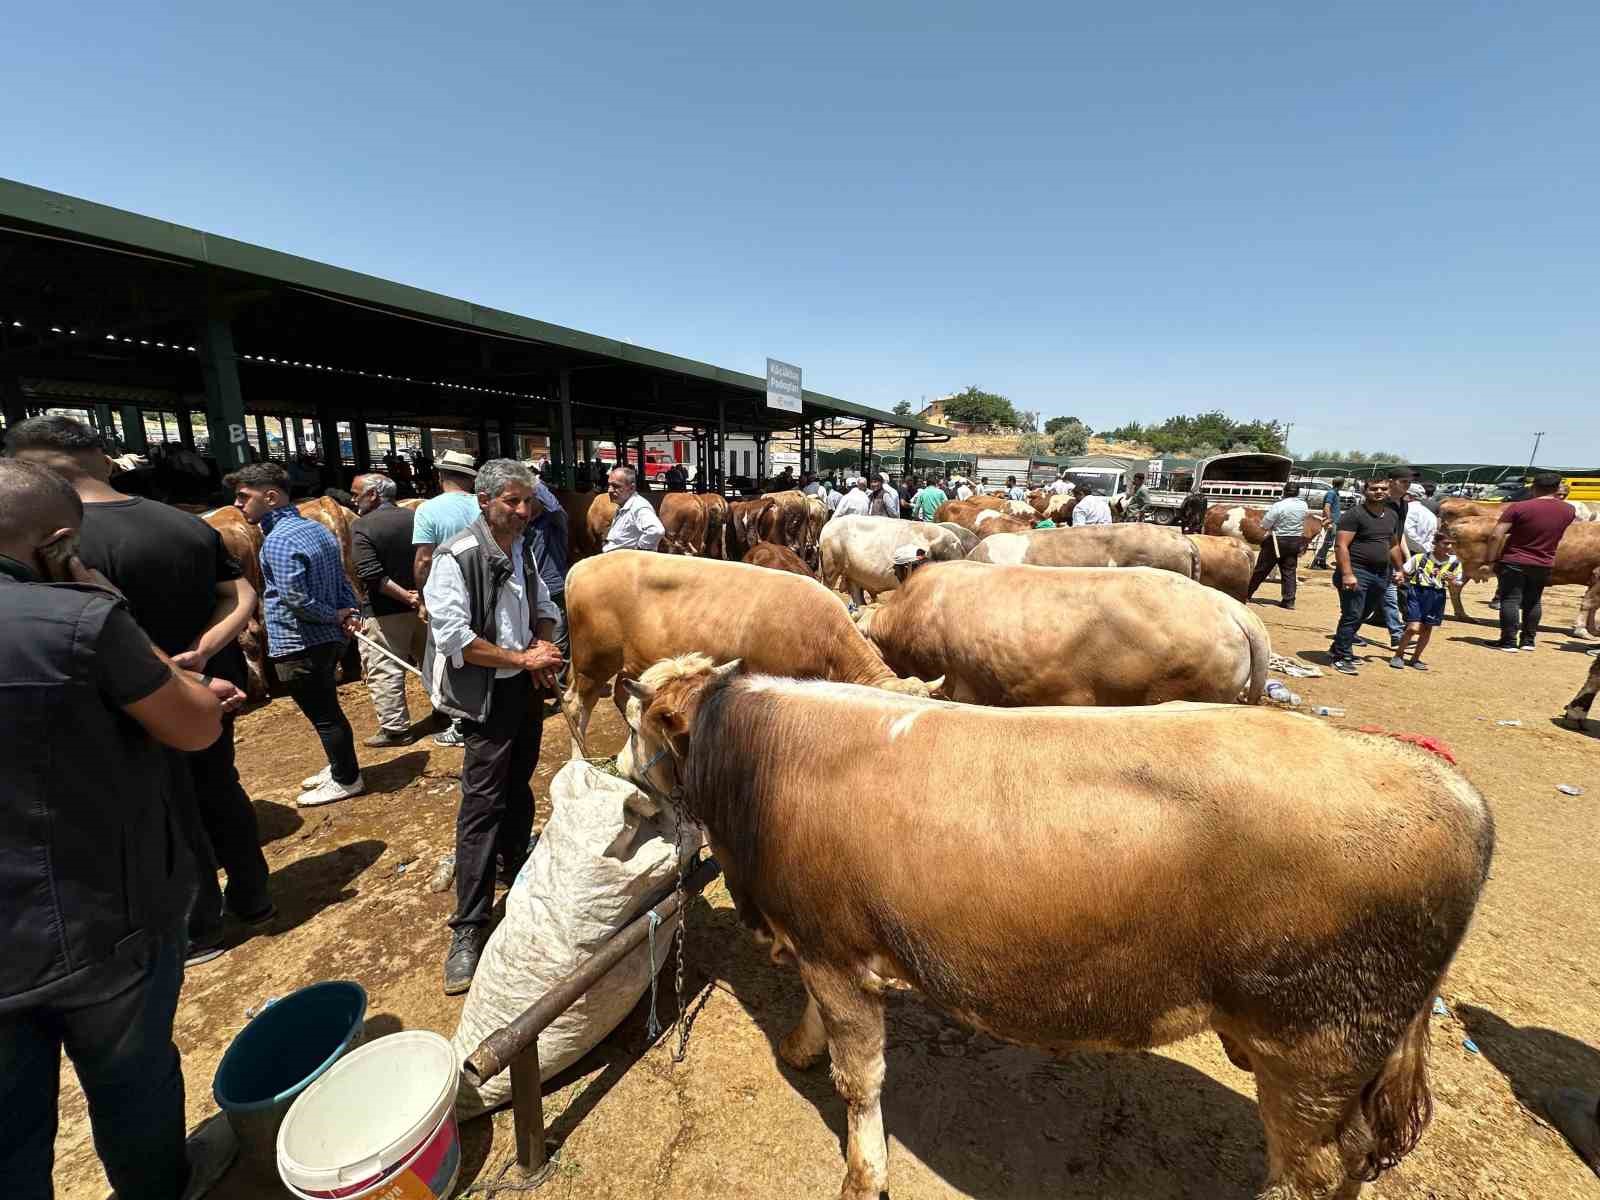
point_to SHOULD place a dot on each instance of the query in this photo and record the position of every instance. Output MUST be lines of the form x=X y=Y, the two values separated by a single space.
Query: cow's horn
x=935 y=684
x=727 y=669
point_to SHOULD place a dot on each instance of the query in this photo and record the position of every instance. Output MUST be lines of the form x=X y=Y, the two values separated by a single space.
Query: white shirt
x=1060 y=487
x=1421 y=526
x=1017 y=493
x=450 y=610
x=635 y=527
x=1091 y=510
x=1286 y=517
x=963 y=492
x=856 y=502
x=834 y=497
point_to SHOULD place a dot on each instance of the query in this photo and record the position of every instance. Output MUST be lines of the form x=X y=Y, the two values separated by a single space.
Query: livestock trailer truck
x=1244 y=478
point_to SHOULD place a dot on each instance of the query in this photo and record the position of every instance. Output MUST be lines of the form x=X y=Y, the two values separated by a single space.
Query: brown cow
x=337 y=520
x=1018 y=636
x=978 y=518
x=693 y=521
x=1244 y=522
x=243 y=543
x=1577 y=558
x=1170 y=888
x=1225 y=564
x=744 y=523
x=629 y=608
x=1129 y=545
x=1578 y=710
x=777 y=558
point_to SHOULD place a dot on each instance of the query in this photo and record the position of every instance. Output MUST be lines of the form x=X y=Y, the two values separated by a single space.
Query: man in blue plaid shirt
x=311 y=610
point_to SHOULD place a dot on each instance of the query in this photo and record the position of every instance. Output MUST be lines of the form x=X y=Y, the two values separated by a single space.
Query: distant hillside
x=1010 y=444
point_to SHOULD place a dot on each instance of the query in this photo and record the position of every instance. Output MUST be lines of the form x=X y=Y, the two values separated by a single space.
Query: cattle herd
x=1175 y=887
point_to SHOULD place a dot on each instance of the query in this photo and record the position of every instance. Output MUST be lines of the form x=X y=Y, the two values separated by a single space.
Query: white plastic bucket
x=380 y=1119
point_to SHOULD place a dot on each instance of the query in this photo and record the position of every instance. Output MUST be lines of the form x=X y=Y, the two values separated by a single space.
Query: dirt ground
x=967 y=1116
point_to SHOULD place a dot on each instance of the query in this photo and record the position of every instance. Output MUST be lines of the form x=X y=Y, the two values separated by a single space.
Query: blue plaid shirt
x=302 y=569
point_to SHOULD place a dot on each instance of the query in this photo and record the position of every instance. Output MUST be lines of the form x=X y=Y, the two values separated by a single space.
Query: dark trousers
x=1283 y=553
x=309 y=677
x=230 y=838
x=116 y=1025
x=1330 y=534
x=1521 y=601
x=496 y=816
x=1355 y=604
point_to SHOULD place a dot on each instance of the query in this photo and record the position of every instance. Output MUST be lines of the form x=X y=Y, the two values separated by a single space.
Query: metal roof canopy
x=97 y=295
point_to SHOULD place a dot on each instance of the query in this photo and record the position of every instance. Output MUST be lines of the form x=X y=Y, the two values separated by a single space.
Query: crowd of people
x=120 y=676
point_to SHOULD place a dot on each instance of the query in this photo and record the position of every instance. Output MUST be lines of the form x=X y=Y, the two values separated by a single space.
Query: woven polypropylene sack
x=605 y=854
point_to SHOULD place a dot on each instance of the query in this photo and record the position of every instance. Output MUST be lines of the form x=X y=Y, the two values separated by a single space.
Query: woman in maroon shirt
x=1523 y=551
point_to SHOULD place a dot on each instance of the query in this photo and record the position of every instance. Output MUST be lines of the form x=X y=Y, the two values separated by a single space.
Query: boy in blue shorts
x=1427 y=576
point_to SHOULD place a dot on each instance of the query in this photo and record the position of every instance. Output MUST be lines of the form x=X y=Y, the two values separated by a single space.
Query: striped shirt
x=1424 y=570
x=304 y=584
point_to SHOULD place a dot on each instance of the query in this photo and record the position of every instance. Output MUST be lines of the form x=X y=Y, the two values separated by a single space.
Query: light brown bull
x=1578 y=710
x=1577 y=559
x=1018 y=636
x=1225 y=564
x=630 y=608
x=980 y=519
x=1172 y=888
x=243 y=543
x=694 y=524
x=777 y=558
x=1244 y=522
x=1130 y=545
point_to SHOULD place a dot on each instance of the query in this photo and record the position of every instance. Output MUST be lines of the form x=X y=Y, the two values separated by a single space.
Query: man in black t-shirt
x=188 y=595
x=385 y=559
x=1367 y=548
x=93 y=886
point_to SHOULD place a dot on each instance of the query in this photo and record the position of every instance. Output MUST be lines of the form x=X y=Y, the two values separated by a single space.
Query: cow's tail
x=1194 y=558
x=1397 y=1103
x=1255 y=636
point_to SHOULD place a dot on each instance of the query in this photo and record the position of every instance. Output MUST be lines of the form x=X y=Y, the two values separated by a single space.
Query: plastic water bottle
x=1276 y=691
x=1323 y=710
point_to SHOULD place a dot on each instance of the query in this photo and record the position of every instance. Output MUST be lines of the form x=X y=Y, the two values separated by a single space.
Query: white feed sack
x=606 y=853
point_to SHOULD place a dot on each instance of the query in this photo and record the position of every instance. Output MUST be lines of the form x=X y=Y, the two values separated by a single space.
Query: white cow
x=860 y=550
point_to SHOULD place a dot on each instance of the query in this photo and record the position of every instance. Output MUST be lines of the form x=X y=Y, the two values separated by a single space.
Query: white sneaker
x=330 y=790
x=317 y=780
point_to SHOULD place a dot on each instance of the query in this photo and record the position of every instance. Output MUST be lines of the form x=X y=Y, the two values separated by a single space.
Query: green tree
x=977 y=407
x=1033 y=445
x=1070 y=438
x=1358 y=456
x=1187 y=435
x=1131 y=432
x=902 y=408
x=1056 y=424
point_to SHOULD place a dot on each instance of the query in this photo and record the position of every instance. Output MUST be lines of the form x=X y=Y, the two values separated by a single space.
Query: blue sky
x=1378 y=221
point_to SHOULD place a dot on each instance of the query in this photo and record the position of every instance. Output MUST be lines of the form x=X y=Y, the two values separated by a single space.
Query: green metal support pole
x=133 y=435
x=360 y=443
x=224 y=399
x=569 y=447
x=185 y=426
x=427 y=443
x=103 y=421
x=16 y=408
x=328 y=438
x=722 y=445
x=508 y=436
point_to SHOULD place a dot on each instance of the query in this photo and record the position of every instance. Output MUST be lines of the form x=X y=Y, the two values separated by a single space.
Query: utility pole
x=1537 y=438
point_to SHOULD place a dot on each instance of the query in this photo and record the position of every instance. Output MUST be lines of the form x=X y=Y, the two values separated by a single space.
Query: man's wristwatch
x=205 y=681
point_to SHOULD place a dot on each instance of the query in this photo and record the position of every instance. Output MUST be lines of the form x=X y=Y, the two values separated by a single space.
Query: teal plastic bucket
x=281 y=1052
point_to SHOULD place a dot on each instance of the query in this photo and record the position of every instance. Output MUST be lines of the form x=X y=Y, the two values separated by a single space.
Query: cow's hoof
x=1574 y=720
x=792 y=1048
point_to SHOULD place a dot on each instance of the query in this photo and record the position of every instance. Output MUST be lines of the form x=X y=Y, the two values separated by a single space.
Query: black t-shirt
x=124 y=666
x=167 y=563
x=382 y=547
x=1369 y=549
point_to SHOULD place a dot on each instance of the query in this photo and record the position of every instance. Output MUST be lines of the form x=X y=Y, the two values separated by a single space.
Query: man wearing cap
x=881 y=500
x=907 y=559
x=437 y=521
x=1422 y=523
